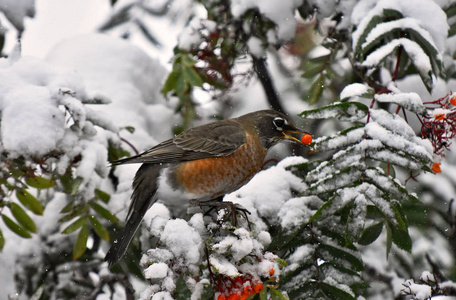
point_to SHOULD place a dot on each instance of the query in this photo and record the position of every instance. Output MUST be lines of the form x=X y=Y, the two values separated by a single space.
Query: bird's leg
x=232 y=208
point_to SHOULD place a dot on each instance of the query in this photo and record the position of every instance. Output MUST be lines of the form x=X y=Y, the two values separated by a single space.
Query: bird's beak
x=288 y=134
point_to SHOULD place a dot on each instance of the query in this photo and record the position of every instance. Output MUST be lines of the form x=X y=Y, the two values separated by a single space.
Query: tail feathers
x=120 y=245
x=145 y=186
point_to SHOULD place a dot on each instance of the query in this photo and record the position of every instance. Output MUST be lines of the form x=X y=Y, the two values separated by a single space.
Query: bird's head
x=273 y=127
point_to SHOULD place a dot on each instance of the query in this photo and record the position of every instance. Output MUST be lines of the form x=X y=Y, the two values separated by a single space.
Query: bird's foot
x=232 y=208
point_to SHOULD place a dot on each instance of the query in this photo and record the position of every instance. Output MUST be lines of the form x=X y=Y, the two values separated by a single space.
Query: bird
x=202 y=164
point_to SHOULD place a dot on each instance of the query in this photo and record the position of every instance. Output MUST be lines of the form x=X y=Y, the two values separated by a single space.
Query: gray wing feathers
x=215 y=139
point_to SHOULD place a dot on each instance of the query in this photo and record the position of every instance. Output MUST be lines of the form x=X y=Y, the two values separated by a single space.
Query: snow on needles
x=420 y=10
x=32 y=122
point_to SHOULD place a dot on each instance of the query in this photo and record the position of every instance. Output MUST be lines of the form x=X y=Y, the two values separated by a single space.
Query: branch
x=259 y=66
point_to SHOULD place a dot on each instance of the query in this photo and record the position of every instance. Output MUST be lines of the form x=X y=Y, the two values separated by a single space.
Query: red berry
x=238 y=281
x=221 y=297
x=440 y=117
x=436 y=168
x=234 y=296
x=258 y=287
x=271 y=272
x=244 y=295
x=453 y=100
x=248 y=289
x=306 y=139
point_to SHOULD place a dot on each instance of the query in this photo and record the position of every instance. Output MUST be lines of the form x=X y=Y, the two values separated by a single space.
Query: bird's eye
x=278 y=123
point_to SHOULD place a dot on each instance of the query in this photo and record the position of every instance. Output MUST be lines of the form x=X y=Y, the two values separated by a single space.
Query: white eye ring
x=279 y=122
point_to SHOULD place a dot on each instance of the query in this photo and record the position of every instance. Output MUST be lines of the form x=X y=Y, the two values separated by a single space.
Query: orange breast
x=210 y=178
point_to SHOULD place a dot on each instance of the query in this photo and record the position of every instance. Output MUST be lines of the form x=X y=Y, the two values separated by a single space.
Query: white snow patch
x=156 y=271
x=354 y=90
x=280 y=12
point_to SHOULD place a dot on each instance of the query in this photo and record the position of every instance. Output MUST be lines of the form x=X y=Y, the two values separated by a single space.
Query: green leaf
x=40 y=182
x=356 y=263
x=392 y=14
x=130 y=129
x=2 y=240
x=75 y=225
x=401 y=238
x=71 y=185
x=183 y=293
x=103 y=196
x=400 y=233
x=373 y=212
x=187 y=60
x=118 y=18
x=316 y=90
x=321 y=209
x=451 y=10
x=399 y=216
x=334 y=292
x=22 y=217
x=372 y=23
x=80 y=246
x=371 y=233
x=181 y=85
x=152 y=39
x=170 y=83
x=345 y=111
x=388 y=169
x=264 y=294
x=20 y=231
x=100 y=230
x=341 y=140
x=67 y=208
x=315 y=66
x=431 y=51
x=452 y=30
x=38 y=293
x=277 y=295
x=76 y=211
x=192 y=77
x=103 y=212
x=389 y=239
x=29 y=201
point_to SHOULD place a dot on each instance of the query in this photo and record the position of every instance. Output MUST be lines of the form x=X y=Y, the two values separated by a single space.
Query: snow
x=419 y=58
x=409 y=101
x=391 y=139
x=31 y=123
x=45 y=107
x=296 y=212
x=354 y=90
x=255 y=46
x=280 y=12
x=302 y=253
x=419 y=291
x=156 y=271
x=128 y=82
x=402 y=24
x=420 y=10
x=193 y=33
x=269 y=190
x=183 y=240
x=427 y=276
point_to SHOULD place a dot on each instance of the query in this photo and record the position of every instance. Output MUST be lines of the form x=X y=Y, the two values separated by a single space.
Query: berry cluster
x=238 y=288
x=439 y=126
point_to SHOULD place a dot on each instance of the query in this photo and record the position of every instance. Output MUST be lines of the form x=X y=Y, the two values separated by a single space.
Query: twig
x=259 y=66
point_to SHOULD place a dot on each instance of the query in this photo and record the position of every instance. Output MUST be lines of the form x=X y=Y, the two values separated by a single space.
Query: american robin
x=202 y=163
